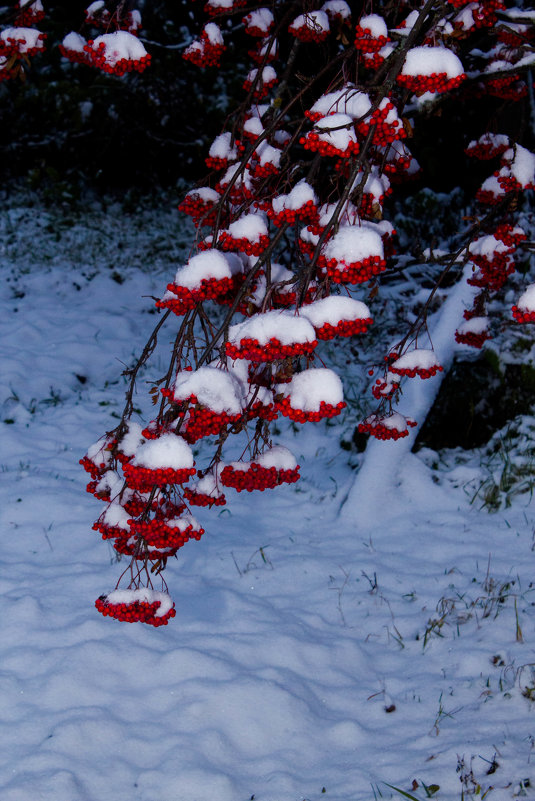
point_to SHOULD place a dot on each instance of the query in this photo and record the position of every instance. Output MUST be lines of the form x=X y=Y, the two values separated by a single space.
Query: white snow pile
x=279 y=457
x=337 y=130
x=354 y=243
x=74 y=42
x=115 y=516
x=223 y=148
x=253 y=126
x=283 y=326
x=118 y=46
x=526 y=301
x=267 y=75
x=301 y=193
x=267 y=154
x=317 y=21
x=346 y=100
x=334 y=309
x=375 y=24
x=408 y=23
x=475 y=325
x=183 y=522
x=337 y=8
x=209 y=264
x=489 y=139
x=417 y=359
x=133 y=438
x=212 y=31
x=487 y=245
x=142 y=595
x=168 y=451
x=519 y=164
x=307 y=390
x=427 y=60
x=209 y=484
x=213 y=387
x=26 y=38
x=261 y=19
x=250 y=227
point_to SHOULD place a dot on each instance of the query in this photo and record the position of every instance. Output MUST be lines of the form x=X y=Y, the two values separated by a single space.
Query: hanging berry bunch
x=291 y=246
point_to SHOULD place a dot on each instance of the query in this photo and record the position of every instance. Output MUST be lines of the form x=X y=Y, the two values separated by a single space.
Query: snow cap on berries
x=168 y=451
x=213 y=387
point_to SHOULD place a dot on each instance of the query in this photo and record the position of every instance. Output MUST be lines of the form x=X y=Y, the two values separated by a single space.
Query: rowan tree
x=293 y=247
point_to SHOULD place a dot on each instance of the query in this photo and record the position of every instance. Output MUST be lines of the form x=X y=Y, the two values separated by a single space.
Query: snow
x=261 y=18
x=213 y=33
x=422 y=358
x=296 y=627
x=204 y=266
x=278 y=456
x=475 y=325
x=73 y=41
x=315 y=20
x=143 y=595
x=334 y=309
x=374 y=24
x=526 y=301
x=214 y=388
x=308 y=389
x=427 y=60
x=301 y=193
x=346 y=100
x=337 y=130
x=223 y=148
x=250 y=227
x=169 y=450
x=281 y=325
x=119 y=45
x=353 y=243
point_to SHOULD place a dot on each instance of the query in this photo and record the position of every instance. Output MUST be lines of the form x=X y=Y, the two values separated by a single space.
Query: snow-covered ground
x=313 y=655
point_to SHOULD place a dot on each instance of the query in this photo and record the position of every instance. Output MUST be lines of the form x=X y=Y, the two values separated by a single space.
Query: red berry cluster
x=203 y=212
x=366 y=42
x=262 y=88
x=244 y=245
x=97 y=58
x=108 y=532
x=196 y=498
x=308 y=212
x=269 y=352
x=266 y=170
x=422 y=372
x=313 y=143
x=144 y=478
x=345 y=328
x=523 y=315
x=384 y=389
x=205 y=54
x=257 y=477
x=159 y=533
x=508 y=87
x=186 y=298
x=202 y=422
x=215 y=10
x=138 y=611
x=374 y=426
x=486 y=150
x=325 y=410
x=471 y=338
x=435 y=82
x=28 y=16
x=11 y=46
x=308 y=33
x=354 y=273
x=385 y=131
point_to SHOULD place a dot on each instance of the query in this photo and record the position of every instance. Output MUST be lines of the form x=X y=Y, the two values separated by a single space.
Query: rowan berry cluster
x=137 y=611
x=257 y=477
x=270 y=351
x=325 y=411
x=354 y=273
